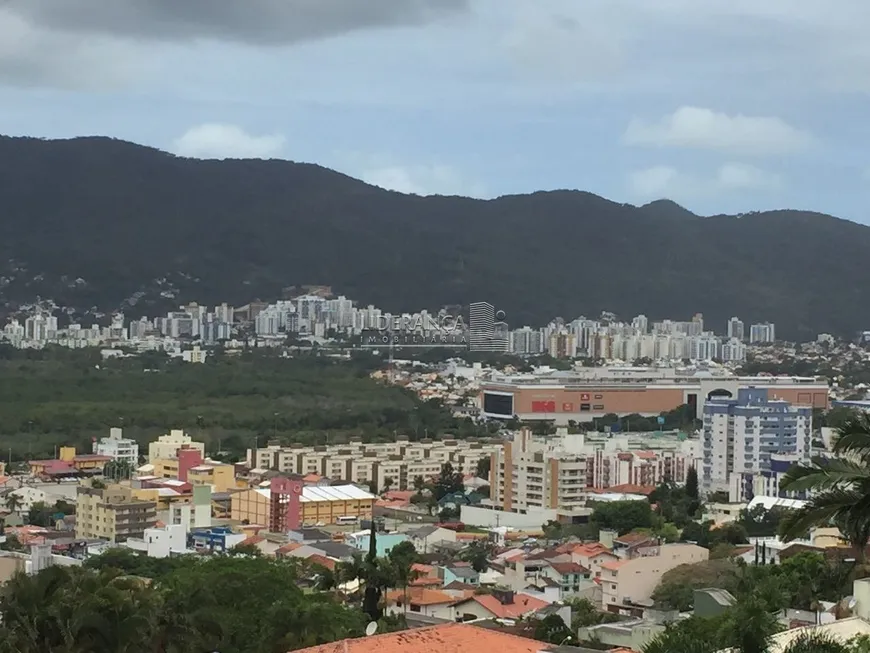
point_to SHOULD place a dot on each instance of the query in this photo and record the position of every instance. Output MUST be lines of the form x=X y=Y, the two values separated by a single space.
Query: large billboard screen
x=501 y=405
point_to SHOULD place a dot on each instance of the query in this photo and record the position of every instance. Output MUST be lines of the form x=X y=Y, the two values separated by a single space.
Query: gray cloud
x=257 y=22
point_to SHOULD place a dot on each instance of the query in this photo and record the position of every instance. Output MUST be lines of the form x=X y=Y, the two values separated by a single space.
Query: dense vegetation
x=56 y=396
x=236 y=604
x=122 y=217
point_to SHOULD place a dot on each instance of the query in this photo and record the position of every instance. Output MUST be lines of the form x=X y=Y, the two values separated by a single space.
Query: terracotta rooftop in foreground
x=445 y=638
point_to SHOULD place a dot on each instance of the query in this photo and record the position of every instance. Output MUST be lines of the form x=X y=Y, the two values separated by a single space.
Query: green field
x=55 y=396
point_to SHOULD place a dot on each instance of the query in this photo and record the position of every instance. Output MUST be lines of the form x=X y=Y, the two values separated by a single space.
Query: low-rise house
x=426 y=538
x=500 y=604
x=422 y=600
x=632 y=580
x=568 y=575
x=464 y=573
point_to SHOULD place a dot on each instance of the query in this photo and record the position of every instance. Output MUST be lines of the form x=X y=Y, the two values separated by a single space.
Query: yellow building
x=319 y=504
x=112 y=513
x=220 y=476
x=162 y=497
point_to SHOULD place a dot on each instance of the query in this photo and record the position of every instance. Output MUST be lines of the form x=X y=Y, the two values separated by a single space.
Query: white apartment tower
x=735 y=329
x=763 y=333
x=741 y=435
x=118 y=448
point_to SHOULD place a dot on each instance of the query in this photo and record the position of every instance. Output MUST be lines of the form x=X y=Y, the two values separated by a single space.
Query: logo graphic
x=487 y=330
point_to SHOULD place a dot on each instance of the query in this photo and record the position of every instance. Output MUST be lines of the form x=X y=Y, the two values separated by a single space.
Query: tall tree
x=449 y=481
x=692 y=483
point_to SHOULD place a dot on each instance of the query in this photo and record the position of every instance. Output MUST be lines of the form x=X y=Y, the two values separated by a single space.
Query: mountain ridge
x=122 y=217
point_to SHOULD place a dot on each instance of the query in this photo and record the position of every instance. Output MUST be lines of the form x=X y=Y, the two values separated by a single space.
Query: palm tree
x=840 y=488
x=816 y=643
x=13 y=502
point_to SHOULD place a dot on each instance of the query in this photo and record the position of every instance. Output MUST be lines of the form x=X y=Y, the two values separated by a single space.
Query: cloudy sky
x=721 y=105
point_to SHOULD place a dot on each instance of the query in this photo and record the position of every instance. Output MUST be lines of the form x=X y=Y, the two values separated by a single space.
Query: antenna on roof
x=372 y=628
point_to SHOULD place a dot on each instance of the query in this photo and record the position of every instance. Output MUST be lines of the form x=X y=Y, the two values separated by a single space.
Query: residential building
x=427 y=537
x=761 y=334
x=373 y=464
x=741 y=435
x=629 y=581
x=500 y=604
x=316 y=506
x=735 y=329
x=112 y=513
x=562 y=345
x=167 y=446
x=118 y=448
x=424 y=601
x=383 y=541
x=527 y=342
x=68 y=464
x=536 y=472
x=161 y=542
x=218 y=539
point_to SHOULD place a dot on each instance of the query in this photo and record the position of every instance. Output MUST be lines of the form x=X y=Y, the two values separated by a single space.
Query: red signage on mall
x=543 y=406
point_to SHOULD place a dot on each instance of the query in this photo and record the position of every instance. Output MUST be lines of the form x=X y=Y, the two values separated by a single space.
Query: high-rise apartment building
x=118 y=448
x=167 y=446
x=551 y=472
x=762 y=333
x=735 y=329
x=741 y=435
x=111 y=513
x=527 y=341
x=562 y=345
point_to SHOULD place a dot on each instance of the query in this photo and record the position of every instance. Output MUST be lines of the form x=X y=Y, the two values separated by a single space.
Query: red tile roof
x=323 y=561
x=445 y=638
x=633 y=538
x=284 y=549
x=565 y=568
x=631 y=488
x=591 y=550
x=253 y=539
x=522 y=605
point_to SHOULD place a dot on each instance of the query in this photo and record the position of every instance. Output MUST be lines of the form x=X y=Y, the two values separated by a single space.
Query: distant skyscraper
x=762 y=333
x=735 y=328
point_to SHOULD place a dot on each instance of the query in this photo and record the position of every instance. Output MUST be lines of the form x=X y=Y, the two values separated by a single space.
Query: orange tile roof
x=522 y=605
x=253 y=539
x=424 y=570
x=323 y=561
x=631 y=488
x=420 y=596
x=285 y=548
x=444 y=638
x=633 y=538
x=613 y=565
x=311 y=478
x=591 y=550
x=426 y=581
